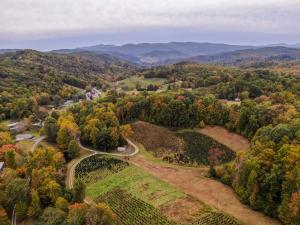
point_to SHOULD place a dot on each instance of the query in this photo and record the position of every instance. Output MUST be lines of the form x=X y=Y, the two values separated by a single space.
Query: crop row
x=97 y=162
x=215 y=218
x=133 y=211
x=198 y=146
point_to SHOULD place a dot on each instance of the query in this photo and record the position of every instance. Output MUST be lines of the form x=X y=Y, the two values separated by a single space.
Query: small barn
x=1 y=166
x=21 y=137
x=121 y=149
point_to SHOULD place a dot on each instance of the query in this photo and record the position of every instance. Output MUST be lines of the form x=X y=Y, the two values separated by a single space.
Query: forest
x=32 y=184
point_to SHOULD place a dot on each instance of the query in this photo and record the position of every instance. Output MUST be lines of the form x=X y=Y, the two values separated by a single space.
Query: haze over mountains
x=153 y=54
x=149 y=54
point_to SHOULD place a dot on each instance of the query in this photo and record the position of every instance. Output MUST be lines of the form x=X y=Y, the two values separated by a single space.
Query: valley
x=185 y=143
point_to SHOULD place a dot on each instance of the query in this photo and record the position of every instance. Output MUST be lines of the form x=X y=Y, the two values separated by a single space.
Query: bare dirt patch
x=193 y=182
x=155 y=138
x=184 y=211
x=234 y=141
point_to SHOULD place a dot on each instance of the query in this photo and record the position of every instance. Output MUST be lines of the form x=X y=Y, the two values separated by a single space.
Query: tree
x=63 y=138
x=77 y=213
x=5 y=138
x=10 y=160
x=100 y=214
x=78 y=191
x=73 y=149
x=126 y=131
x=34 y=209
x=51 y=128
x=62 y=204
x=53 y=216
x=3 y=217
x=17 y=191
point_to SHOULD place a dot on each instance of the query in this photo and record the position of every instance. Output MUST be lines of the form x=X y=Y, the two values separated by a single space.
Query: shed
x=1 y=166
x=21 y=137
x=121 y=149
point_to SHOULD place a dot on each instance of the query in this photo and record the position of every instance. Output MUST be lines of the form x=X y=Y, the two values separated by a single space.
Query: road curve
x=37 y=142
x=72 y=165
x=136 y=150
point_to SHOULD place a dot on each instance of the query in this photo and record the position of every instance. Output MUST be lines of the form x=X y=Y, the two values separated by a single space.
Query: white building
x=21 y=137
x=1 y=166
x=121 y=149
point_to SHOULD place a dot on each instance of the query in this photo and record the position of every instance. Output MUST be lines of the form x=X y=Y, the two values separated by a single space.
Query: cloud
x=20 y=19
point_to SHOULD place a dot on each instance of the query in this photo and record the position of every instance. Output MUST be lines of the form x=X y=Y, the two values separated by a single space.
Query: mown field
x=138 y=198
x=129 y=84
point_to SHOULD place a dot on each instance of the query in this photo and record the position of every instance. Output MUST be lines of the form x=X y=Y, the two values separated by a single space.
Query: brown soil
x=183 y=211
x=213 y=193
x=155 y=138
x=234 y=141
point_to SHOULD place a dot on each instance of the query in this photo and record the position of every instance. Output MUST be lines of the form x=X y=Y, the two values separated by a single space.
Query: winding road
x=72 y=165
x=190 y=181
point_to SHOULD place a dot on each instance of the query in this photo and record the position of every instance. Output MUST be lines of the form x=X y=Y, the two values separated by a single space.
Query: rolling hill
x=242 y=57
x=153 y=54
x=28 y=73
x=158 y=53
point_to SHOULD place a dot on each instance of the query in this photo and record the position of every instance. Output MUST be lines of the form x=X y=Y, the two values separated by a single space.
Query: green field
x=138 y=183
x=138 y=198
x=129 y=84
x=96 y=167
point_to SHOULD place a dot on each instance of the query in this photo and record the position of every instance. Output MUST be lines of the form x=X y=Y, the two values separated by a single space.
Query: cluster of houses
x=90 y=95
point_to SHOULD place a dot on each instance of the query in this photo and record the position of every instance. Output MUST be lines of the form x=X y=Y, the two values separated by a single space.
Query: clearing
x=129 y=84
x=234 y=141
x=184 y=147
x=140 y=198
x=194 y=182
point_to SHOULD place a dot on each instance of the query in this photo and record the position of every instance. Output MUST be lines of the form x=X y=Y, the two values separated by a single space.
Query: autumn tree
x=73 y=149
x=34 y=209
x=77 y=213
x=62 y=204
x=67 y=132
x=51 y=128
x=100 y=214
x=17 y=191
x=3 y=217
x=78 y=191
x=53 y=216
x=5 y=138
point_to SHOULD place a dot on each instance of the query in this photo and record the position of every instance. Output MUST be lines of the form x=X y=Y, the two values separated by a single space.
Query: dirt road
x=89 y=152
x=209 y=191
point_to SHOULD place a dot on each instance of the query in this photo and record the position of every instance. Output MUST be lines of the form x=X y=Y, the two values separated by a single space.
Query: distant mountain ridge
x=158 y=53
x=242 y=57
x=153 y=54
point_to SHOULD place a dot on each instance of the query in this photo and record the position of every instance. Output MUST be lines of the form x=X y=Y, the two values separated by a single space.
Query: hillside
x=29 y=73
x=158 y=53
x=242 y=57
x=149 y=54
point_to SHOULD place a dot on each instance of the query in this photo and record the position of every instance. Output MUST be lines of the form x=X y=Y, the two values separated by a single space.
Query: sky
x=55 y=24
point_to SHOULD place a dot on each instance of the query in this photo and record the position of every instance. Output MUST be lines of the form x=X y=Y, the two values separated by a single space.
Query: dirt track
x=211 y=192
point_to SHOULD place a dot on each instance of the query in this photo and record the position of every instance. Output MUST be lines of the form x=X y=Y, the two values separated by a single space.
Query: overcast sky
x=52 y=24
